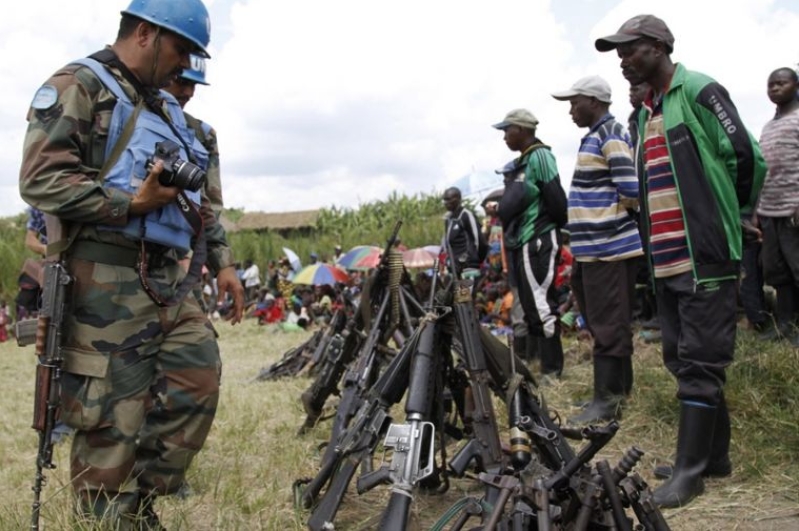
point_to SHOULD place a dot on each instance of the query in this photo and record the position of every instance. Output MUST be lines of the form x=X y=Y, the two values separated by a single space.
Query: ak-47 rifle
x=305 y=357
x=48 y=374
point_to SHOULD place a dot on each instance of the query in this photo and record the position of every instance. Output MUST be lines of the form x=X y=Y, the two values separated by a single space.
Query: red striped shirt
x=668 y=242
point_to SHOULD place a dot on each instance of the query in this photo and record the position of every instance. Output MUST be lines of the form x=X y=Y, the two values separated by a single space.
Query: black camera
x=177 y=172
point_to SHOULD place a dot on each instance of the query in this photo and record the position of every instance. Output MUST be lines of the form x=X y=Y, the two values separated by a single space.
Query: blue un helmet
x=196 y=72
x=187 y=18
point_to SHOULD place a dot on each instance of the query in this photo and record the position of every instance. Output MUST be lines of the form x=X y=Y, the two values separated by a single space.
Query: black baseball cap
x=635 y=28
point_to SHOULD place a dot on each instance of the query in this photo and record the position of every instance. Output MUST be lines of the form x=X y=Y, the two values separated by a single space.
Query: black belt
x=104 y=253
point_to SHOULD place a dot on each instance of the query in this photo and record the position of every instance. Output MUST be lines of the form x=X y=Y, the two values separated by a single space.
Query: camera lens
x=188 y=176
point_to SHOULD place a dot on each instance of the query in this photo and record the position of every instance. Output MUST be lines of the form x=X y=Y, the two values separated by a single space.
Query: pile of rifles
x=430 y=353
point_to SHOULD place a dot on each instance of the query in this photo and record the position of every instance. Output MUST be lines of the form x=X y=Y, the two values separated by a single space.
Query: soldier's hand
x=152 y=194
x=228 y=282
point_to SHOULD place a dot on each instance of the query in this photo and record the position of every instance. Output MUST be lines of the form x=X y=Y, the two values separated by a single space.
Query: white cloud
x=319 y=103
x=737 y=42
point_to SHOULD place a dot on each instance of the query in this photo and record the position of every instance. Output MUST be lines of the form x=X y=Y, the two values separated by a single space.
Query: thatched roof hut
x=303 y=220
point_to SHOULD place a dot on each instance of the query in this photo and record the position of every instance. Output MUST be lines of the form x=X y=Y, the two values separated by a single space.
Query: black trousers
x=534 y=267
x=697 y=324
x=753 y=299
x=780 y=251
x=605 y=292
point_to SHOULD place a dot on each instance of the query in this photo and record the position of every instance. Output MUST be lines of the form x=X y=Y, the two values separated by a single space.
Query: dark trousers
x=534 y=268
x=780 y=251
x=605 y=292
x=697 y=324
x=753 y=300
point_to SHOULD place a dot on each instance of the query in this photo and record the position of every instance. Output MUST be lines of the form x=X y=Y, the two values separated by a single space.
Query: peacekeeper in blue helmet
x=182 y=88
x=111 y=163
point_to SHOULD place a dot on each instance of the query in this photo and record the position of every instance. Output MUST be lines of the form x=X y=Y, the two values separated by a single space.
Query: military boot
x=627 y=372
x=551 y=351
x=694 y=443
x=608 y=391
x=146 y=517
x=786 y=306
x=718 y=465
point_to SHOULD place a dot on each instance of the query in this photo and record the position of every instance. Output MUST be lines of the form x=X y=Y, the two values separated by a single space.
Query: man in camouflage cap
x=133 y=344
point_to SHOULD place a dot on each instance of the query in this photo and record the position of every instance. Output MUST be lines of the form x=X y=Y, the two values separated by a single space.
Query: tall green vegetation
x=370 y=224
x=12 y=253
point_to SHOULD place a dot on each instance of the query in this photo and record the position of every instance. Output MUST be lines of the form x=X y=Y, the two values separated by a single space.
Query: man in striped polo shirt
x=699 y=168
x=604 y=241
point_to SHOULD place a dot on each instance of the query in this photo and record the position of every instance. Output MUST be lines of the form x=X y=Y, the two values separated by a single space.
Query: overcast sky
x=321 y=103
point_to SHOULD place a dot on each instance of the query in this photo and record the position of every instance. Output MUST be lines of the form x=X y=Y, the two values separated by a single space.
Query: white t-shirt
x=251 y=276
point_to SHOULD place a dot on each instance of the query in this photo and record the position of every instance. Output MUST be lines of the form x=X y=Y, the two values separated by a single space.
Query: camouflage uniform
x=213 y=177
x=212 y=185
x=125 y=357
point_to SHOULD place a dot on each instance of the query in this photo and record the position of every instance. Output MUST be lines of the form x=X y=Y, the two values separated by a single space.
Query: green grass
x=242 y=479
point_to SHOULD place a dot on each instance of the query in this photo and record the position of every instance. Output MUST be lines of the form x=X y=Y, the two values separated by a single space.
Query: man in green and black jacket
x=699 y=170
x=532 y=211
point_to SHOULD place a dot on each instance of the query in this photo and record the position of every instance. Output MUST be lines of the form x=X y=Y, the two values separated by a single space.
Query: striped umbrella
x=418 y=258
x=319 y=274
x=354 y=256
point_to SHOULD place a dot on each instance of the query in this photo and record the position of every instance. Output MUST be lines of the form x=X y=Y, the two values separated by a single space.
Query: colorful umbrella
x=418 y=257
x=294 y=260
x=351 y=258
x=369 y=260
x=319 y=274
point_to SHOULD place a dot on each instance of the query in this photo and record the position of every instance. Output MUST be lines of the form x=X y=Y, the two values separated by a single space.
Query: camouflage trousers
x=141 y=386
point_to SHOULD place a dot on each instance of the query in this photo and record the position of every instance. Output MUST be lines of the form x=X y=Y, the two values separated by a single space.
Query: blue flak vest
x=165 y=226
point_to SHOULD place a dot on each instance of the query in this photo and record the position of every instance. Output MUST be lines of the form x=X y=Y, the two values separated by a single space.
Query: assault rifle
x=359 y=439
x=305 y=357
x=48 y=374
x=293 y=361
x=337 y=322
x=484 y=446
x=329 y=364
x=339 y=353
x=362 y=373
x=413 y=442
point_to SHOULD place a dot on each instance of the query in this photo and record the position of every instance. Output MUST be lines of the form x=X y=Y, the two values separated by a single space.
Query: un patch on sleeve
x=45 y=98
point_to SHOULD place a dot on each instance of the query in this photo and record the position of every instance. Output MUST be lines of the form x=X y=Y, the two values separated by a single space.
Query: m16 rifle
x=412 y=442
x=362 y=373
x=358 y=440
x=48 y=374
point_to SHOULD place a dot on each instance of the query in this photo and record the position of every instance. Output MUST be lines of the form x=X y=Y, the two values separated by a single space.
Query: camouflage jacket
x=213 y=177
x=64 y=151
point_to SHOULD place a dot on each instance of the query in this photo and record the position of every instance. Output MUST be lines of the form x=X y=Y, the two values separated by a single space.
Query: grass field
x=242 y=480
